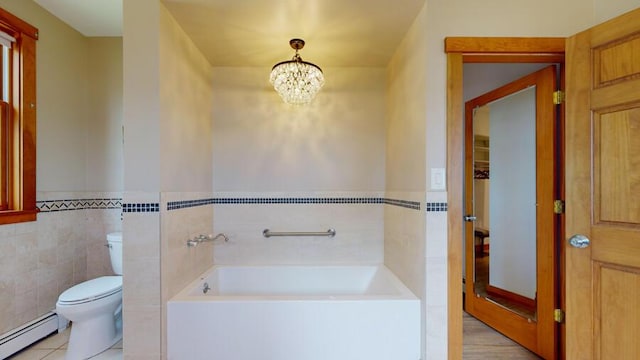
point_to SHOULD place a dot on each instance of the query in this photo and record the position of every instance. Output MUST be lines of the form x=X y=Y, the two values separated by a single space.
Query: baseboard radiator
x=25 y=335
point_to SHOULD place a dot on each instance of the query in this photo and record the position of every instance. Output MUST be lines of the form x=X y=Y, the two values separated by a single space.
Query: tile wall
x=158 y=263
x=404 y=241
x=65 y=246
x=357 y=218
x=435 y=300
x=421 y=264
x=184 y=216
x=141 y=284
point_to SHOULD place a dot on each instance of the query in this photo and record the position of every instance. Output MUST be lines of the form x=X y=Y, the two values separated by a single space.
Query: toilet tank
x=115 y=251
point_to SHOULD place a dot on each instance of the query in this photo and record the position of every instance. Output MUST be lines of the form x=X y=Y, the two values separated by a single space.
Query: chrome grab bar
x=268 y=233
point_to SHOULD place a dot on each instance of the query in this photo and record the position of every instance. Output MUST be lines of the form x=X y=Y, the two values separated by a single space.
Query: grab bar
x=268 y=233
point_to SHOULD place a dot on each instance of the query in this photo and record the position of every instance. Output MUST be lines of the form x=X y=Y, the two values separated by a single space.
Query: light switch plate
x=438 y=179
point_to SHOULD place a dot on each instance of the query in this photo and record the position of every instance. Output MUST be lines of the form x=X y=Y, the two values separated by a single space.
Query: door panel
x=614 y=62
x=537 y=332
x=603 y=190
x=616 y=146
x=619 y=329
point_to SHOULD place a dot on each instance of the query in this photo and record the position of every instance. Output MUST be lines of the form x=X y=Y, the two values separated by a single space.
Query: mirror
x=504 y=201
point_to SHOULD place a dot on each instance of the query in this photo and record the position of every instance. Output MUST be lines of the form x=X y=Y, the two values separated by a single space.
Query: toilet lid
x=91 y=290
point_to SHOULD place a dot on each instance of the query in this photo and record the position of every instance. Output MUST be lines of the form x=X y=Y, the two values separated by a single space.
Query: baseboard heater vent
x=19 y=338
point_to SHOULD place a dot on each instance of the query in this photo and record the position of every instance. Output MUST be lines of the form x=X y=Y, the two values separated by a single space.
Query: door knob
x=579 y=241
x=469 y=218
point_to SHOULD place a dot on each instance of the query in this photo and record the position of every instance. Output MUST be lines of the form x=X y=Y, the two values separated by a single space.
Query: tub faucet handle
x=192 y=242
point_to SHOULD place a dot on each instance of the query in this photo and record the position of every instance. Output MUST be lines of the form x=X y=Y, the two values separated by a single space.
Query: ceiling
x=89 y=17
x=341 y=33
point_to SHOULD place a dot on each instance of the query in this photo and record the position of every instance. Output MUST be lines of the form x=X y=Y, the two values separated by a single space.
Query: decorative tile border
x=301 y=200
x=140 y=207
x=78 y=204
x=174 y=205
x=116 y=203
x=437 y=206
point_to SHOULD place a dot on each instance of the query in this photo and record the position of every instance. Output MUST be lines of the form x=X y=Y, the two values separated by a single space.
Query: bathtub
x=294 y=313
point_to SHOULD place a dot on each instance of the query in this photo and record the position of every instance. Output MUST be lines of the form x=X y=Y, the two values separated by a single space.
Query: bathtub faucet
x=206 y=238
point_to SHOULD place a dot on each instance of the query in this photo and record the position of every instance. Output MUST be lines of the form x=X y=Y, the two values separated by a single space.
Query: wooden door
x=603 y=191
x=532 y=325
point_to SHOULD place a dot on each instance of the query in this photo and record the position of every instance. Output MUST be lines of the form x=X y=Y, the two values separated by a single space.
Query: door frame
x=461 y=50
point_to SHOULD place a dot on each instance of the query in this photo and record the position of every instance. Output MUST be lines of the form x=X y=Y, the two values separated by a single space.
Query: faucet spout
x=221 y=235
x=206 y=238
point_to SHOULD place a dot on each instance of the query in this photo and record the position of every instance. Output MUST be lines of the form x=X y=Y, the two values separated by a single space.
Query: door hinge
x=558 y=316
x=558 y=206
x=558 y=97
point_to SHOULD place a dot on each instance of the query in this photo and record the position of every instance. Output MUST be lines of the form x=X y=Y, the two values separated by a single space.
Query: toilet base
x=89 y=338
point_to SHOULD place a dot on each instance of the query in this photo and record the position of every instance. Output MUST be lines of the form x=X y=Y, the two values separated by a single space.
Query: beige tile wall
x=358 y=240
x=39 y=260
x=141 y=281
x=404 y=246
x=158 y=264
x=435 y=301
x=182 y=264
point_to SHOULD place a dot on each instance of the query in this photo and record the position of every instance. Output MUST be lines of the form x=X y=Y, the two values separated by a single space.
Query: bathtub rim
x=404 y=293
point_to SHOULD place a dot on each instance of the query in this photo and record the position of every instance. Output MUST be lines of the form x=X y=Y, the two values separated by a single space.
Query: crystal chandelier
x=295 y=80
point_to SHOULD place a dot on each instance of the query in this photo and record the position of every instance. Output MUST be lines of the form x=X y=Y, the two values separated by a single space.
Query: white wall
x=104 y=130
x=186 y=129
x=336 y=143
x=186 y=159
x=141 y=292
x=141 y=107
x=185 y=117
x=405 y=152
x=62 y=99
x=480 y=78
x=604 y=10
x=404 y=228
x=330 y=148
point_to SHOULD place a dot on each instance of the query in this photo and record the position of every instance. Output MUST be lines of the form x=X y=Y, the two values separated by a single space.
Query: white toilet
x=95 y=308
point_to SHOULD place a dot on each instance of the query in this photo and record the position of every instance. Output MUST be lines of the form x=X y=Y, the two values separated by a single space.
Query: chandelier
x=295 y=80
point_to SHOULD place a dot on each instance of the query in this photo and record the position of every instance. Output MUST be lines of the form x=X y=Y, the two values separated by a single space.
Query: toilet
x=95 y=308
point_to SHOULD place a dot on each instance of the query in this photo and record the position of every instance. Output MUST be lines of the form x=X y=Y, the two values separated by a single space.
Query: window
x=17 y=120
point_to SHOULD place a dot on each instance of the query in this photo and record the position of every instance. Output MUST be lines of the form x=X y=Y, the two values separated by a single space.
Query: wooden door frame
x=474 y=50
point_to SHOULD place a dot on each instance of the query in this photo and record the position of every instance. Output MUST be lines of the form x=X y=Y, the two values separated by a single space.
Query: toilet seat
x=91 y=290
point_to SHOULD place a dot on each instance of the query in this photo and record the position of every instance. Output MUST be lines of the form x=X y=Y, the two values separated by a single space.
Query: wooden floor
x=480 y=342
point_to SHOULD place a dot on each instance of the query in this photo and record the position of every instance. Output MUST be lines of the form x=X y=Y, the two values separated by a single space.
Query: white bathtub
x=294 y=313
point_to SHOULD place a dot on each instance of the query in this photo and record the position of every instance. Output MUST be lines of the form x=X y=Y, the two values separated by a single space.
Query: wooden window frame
x=18 y=185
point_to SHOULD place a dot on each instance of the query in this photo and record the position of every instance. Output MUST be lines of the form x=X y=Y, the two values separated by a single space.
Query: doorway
x=475 y=50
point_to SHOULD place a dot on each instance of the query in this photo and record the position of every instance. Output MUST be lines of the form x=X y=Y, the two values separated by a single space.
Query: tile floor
x=54 y=347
